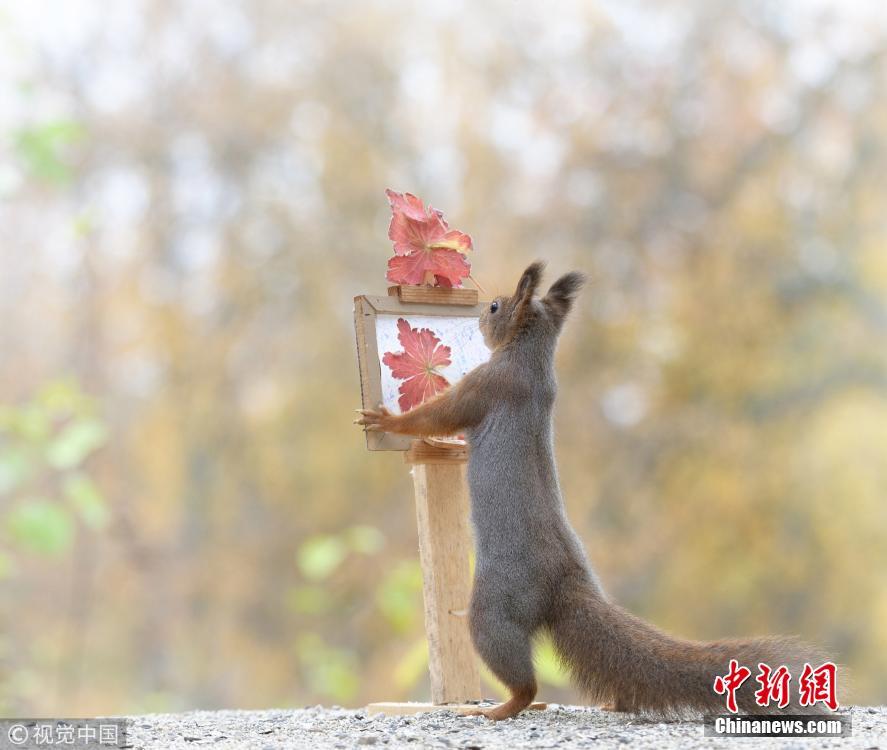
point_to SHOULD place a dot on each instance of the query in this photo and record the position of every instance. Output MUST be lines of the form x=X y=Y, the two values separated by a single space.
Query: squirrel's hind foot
x=519 y=700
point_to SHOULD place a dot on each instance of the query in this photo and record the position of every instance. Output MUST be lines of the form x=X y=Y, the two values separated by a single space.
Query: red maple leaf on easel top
x=424 y=245
x=417 y=364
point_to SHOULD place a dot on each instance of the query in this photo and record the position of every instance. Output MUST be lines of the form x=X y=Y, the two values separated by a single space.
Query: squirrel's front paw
x=374 y=419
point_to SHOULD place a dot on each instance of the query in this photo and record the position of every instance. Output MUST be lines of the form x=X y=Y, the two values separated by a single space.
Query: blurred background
x=191 y=193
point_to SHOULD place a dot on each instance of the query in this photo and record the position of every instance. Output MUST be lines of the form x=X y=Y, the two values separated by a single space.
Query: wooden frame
x=366 y=310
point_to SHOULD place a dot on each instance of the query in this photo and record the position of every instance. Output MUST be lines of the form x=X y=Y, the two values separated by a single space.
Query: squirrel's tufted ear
x=529 y=280
x=560 y=296
x=521 y=310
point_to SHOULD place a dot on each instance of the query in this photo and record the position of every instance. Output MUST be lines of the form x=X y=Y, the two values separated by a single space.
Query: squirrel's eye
x=494 y=306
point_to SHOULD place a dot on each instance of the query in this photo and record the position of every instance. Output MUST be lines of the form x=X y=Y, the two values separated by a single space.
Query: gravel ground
x=559 y=726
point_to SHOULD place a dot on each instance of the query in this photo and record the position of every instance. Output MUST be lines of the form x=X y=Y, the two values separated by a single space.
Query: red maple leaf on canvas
x=424 y=243
x=417 y=364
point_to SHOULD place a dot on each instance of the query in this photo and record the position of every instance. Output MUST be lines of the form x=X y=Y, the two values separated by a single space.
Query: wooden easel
x=441 y=490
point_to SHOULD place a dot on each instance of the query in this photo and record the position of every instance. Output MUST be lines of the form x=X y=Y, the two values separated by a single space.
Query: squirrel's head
x=507 y=317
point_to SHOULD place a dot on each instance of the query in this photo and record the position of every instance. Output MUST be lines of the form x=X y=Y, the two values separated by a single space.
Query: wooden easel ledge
x=407 y=709
x=436 y=451
x=433 y=295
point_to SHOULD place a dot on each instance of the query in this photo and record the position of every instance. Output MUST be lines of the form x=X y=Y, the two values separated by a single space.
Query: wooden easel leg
x=444 y=549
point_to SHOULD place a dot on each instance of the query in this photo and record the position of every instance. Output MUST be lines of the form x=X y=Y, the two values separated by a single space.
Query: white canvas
x=461 y=334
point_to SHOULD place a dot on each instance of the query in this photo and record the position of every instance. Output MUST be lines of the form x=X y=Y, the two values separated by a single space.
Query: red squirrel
x=532 y=573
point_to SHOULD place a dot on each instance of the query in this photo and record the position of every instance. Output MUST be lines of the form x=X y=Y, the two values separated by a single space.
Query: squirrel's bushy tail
x=618 y=658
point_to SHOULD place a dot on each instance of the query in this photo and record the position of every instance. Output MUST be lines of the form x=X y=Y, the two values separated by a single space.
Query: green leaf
x=77 y=441
x=320 y=556
x=41 y=526
x=32 y=422
x=62 y=397
x=86 y=498
x=398 y=596
x=367 y=540
x=14 y=469
x=329 y=671
x=43 y=148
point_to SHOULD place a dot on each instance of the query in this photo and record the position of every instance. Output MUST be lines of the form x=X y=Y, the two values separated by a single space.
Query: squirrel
x=531 y=571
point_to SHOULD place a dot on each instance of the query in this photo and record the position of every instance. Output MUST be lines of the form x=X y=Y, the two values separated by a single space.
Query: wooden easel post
x=444 y=553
